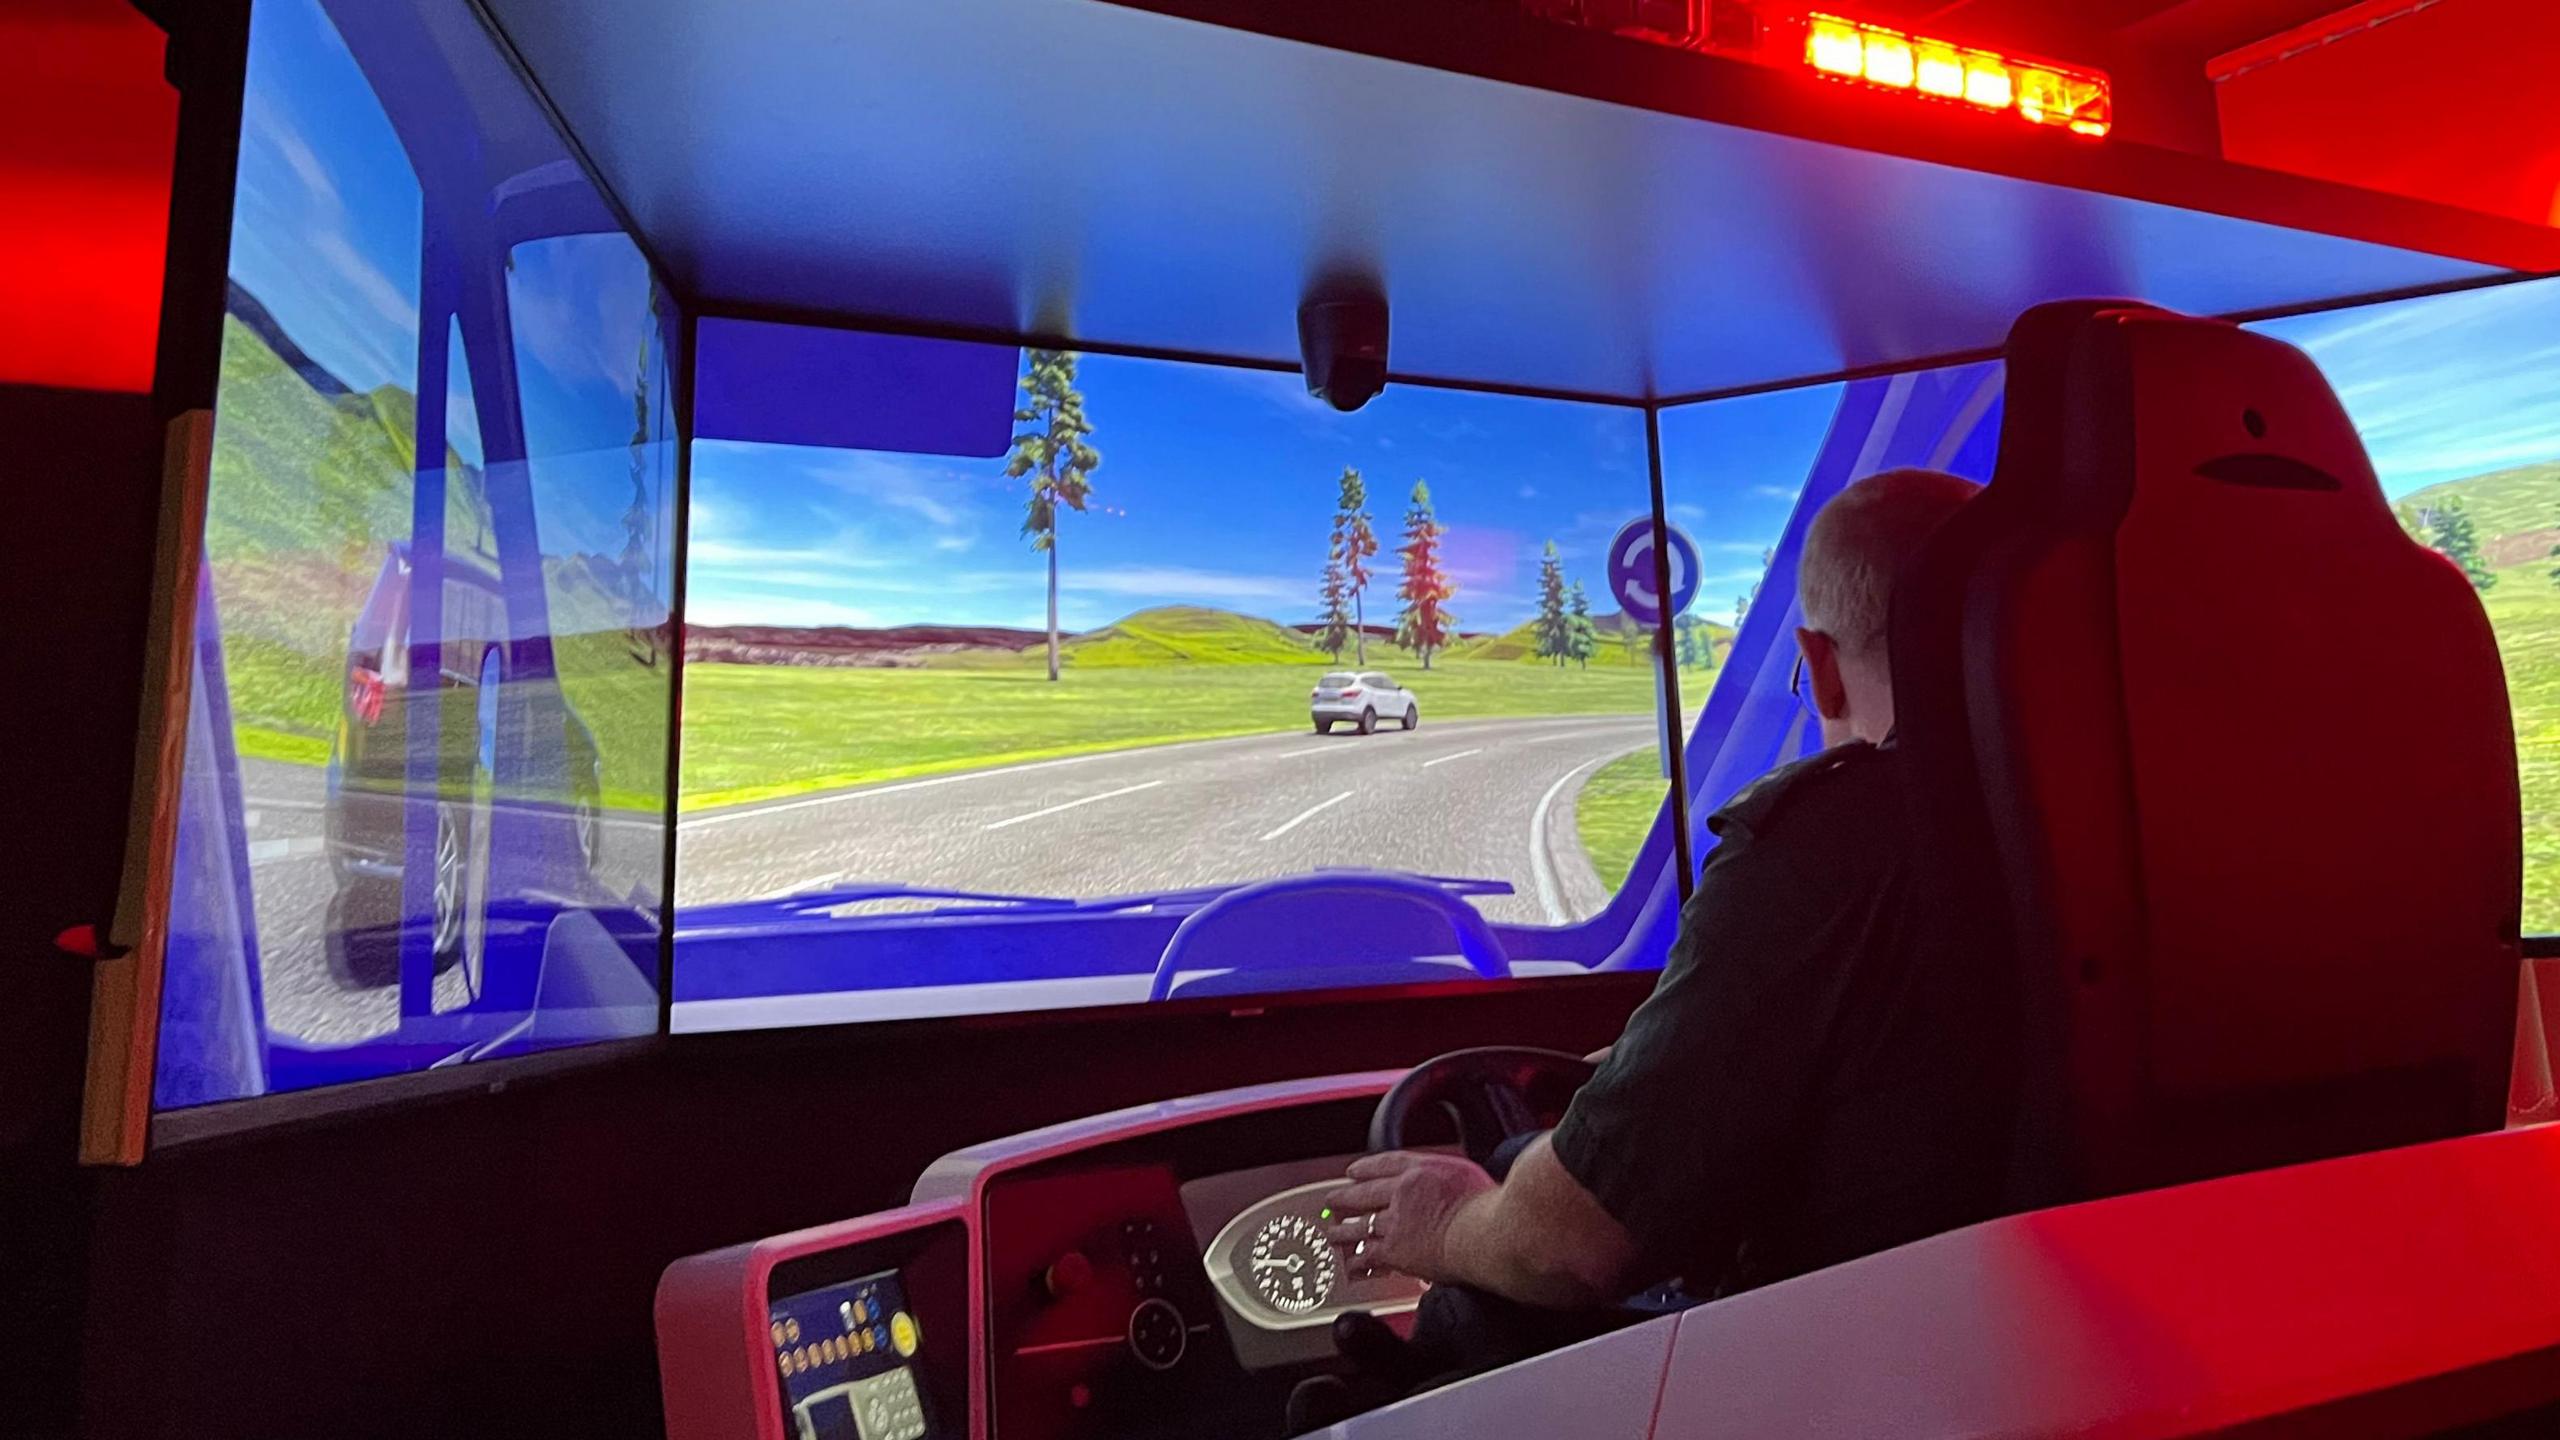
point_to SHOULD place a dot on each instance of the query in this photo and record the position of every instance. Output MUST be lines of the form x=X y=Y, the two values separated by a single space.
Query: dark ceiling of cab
x=1081 y=169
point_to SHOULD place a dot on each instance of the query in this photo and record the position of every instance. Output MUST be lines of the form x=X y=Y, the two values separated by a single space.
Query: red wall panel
x=89 y=127
x=2456 y=101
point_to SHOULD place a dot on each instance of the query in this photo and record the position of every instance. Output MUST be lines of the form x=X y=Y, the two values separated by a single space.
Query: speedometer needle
x=1293 y=1264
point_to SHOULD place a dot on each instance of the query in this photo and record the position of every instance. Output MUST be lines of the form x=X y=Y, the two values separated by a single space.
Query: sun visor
x=848 y=389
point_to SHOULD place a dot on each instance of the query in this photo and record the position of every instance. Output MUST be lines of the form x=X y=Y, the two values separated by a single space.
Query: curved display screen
x=423 y=818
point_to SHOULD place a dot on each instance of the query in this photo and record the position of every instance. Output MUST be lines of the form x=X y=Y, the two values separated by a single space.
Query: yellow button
x=902 y=1333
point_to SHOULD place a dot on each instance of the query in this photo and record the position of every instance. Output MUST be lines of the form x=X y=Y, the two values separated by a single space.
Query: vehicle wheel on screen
x=1412 y=716
x=484 y=804
x=363 y=937
x=1368 y=722
x=453 y=859
x=1324 y=727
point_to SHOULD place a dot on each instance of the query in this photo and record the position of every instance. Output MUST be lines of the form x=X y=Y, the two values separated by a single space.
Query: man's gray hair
x=1858 y=545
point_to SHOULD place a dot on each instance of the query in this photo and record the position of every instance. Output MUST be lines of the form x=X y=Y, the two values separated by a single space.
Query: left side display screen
x=846 y=1356
x=422 y=819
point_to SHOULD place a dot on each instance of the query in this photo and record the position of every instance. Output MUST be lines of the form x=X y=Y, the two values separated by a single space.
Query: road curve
x=1489 y=799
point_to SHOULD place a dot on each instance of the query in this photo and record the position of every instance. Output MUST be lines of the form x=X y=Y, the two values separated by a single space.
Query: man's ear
x=1822 y=673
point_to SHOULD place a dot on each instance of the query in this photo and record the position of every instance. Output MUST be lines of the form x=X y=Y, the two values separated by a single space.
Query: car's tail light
x=364 y=694
x=1351 y=694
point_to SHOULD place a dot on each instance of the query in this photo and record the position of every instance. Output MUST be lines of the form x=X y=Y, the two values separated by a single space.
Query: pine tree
x=1554 y=632
x=1687 y=632
x=1582 y=639
x=2450 y=533
x=1354 y=541
x=1052 y=451
x=1426 y=623
x=1333 y=622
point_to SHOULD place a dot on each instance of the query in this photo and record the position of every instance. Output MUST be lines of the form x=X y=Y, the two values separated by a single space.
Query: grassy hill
x=1185 y=635
x=1520 y=643
x=2515 y=511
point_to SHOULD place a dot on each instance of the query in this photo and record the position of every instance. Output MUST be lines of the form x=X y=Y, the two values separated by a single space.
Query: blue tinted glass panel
x=423 y=809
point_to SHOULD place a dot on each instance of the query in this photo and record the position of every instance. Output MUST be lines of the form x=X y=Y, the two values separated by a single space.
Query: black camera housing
x=1343 y=341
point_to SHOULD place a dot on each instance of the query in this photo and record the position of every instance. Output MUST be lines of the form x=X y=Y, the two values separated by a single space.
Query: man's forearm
x=1539 y=1238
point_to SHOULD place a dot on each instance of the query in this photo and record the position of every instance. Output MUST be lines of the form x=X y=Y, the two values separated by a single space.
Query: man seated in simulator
x=1819 y=1071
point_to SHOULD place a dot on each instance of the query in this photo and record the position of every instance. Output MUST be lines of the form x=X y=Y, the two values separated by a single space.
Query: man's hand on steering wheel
x=1397 y=1211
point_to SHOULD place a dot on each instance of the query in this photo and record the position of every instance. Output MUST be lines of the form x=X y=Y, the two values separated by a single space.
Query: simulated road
x=1483 y=799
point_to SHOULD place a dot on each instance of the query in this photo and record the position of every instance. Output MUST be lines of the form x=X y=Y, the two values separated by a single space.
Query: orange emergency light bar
x=1888 y=59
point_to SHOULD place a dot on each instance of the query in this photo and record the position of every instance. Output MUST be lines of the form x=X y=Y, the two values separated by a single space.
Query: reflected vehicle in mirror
x=369 y=770
x=1364 y=700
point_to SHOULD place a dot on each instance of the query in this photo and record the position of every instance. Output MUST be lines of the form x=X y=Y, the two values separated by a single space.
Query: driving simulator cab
x=741 y=593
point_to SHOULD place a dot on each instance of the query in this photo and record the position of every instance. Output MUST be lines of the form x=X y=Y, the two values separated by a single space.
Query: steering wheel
x=1495 y=1094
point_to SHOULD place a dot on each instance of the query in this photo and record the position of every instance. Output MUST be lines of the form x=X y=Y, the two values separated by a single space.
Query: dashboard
x=1161 y=1271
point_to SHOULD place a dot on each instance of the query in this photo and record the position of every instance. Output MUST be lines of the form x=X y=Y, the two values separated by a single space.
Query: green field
x=1617 y=807
x=752 y=732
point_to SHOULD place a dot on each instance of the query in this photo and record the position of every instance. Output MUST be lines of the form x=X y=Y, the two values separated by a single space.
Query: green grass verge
x=754 y=732
x=2524 y=608
x=1616 y=808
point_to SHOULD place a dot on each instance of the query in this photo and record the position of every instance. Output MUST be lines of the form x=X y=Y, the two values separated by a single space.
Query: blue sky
x=327 y=231
x=2445 y=387
x=1217 y=487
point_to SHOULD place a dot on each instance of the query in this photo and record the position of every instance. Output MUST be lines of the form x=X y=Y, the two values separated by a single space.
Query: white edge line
x=1445 y=759
x=1319 y=808
x=1550 y=890
x=726 y=813
x=1072 y=804
x=1310 y=750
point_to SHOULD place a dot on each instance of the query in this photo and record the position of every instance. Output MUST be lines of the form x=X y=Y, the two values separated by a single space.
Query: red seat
x=2232 y=753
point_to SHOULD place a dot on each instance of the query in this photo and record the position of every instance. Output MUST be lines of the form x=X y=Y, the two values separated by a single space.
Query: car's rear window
x=1335 y=682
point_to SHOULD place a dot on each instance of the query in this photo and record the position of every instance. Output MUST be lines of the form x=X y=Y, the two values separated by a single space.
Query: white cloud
x=263 y=123
x=1528 y=492
x=1776 y=492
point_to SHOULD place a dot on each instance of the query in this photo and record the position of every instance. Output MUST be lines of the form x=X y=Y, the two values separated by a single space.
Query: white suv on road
x=1362 y=699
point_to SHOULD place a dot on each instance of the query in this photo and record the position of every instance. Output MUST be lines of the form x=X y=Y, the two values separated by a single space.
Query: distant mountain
x=842 y=645
x=253 y=312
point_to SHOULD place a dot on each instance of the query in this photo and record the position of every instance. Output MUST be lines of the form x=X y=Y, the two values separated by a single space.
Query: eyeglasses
x=1803 y=692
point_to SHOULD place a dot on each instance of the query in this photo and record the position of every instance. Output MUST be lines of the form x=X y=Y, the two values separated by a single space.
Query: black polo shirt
x=1822 y=1070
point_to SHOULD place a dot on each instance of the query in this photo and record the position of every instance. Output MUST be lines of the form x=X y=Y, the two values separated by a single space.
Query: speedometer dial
x=1290 y=1264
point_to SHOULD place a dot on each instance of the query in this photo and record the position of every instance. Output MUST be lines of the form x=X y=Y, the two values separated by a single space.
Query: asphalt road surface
x=291 y=882
x=1484 y=799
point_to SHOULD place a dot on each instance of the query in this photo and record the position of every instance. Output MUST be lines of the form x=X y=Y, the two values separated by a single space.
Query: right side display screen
x=2457 y=399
